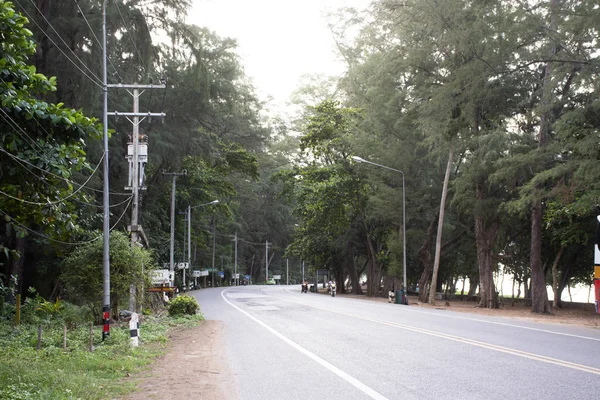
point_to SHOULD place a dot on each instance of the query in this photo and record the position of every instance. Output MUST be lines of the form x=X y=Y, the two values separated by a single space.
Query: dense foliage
x=486 y=112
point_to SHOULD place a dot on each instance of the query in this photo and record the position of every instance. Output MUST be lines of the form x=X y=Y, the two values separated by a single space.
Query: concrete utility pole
x=172 y=250
x=267 y=260
x=213 y=253
x=189 y=226
x=287 y=271
x=106 y=217
x=185 y=213
x=235 y=265
x=134 y=173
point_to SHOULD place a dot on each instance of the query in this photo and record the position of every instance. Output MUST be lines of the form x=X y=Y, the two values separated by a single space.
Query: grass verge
x=76 y=373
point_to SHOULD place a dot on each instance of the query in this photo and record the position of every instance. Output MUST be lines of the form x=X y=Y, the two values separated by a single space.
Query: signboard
x=203 y=273
x=222 y=274
x=196 y=274
x=183 y=265
x=322 y=272
x=276 y=277
x=160 y=276
x=237 y=276
x=248 y=277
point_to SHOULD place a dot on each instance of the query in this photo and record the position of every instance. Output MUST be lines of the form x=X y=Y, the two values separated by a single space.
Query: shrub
x=183 y=305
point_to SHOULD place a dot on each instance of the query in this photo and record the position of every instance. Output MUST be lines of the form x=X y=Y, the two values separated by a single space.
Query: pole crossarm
x=135 y=86
x=136 y=114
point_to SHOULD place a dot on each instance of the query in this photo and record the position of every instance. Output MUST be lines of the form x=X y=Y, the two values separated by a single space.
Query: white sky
x=278 y=40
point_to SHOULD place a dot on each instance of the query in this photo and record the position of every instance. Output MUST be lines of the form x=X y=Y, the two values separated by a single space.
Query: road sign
x=203 y=273
x=222 y=274
x=276 y=277
x=183 y=265
x=237 y=276
x=160 y=276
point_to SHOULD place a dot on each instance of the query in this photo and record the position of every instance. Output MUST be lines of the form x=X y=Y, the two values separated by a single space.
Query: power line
x=13 y=220
x=17 y=128
x=48 y=172
x=95 y=37
x=57 y=201
x=100 y=206
x=95 y=82
x=129 y=33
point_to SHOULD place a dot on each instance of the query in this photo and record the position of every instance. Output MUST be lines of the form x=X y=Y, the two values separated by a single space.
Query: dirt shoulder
x=194 y=367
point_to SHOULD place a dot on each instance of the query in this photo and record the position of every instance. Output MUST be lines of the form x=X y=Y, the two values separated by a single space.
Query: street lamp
x=189 y=216
x=362 y=160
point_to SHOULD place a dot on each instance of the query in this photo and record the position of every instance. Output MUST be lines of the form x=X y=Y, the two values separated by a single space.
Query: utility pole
x=189 y=226
x=235 y=265
x=302 y=271
x=134 y=161
x=172 y=250
x=213 y=254
x=183 y=254
x=267 y=260
x=287 y=271
x=106 y=208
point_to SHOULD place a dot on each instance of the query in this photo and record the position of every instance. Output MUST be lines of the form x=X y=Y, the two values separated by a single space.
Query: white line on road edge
x=350 y=379
x=408 y=309
x=472 y=342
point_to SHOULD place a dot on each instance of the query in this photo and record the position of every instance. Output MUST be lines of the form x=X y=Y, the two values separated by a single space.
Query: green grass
x=76 y=373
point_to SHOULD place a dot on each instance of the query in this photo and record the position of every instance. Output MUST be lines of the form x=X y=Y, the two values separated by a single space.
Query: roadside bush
x=183 y=305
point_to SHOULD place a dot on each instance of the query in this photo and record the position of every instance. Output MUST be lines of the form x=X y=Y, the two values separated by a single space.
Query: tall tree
x=40 y=140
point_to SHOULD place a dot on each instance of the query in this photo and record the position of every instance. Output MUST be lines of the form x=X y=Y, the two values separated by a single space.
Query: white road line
x=472 y=342
x=348 y=378
x=408 y=309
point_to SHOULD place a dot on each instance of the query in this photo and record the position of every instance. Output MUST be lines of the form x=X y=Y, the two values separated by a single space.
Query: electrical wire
x=20 y=160
x=102 y=205
x=97 y=82
x=96 y=37
x=17 y=128
x=57 y=201
x=129 y=33
x=13 y=220
x=57 y=176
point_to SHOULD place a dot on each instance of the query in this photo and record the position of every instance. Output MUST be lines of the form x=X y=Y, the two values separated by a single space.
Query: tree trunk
x=353 y=271
x=539 y=296
x=16 y=263
x=438 y=241
x=485 y=237
x=472 y=289
x=426 y=259
x=372 y=286
x=556 y=304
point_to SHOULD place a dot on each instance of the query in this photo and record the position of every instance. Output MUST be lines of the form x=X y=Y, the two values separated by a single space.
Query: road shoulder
x=193 y=367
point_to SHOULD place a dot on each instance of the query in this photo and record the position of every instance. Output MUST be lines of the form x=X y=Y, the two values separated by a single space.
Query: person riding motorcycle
x=304 y=287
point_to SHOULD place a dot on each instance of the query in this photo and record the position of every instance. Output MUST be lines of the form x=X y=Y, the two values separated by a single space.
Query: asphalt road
x=286 y=345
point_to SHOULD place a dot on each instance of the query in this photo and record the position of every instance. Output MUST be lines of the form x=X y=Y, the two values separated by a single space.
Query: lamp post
x=189 y=215
x=362 y=160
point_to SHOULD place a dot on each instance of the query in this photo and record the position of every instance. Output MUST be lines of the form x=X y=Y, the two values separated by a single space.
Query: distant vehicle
x=271 y=282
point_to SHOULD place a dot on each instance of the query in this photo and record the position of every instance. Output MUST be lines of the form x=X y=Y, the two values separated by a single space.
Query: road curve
x=282 y=344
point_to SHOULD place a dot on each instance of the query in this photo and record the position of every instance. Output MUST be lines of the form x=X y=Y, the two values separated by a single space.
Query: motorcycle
x=304 y=287
x=332 y=289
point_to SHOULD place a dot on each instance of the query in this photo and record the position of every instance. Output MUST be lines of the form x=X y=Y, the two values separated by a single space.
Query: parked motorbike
x=304 y=287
